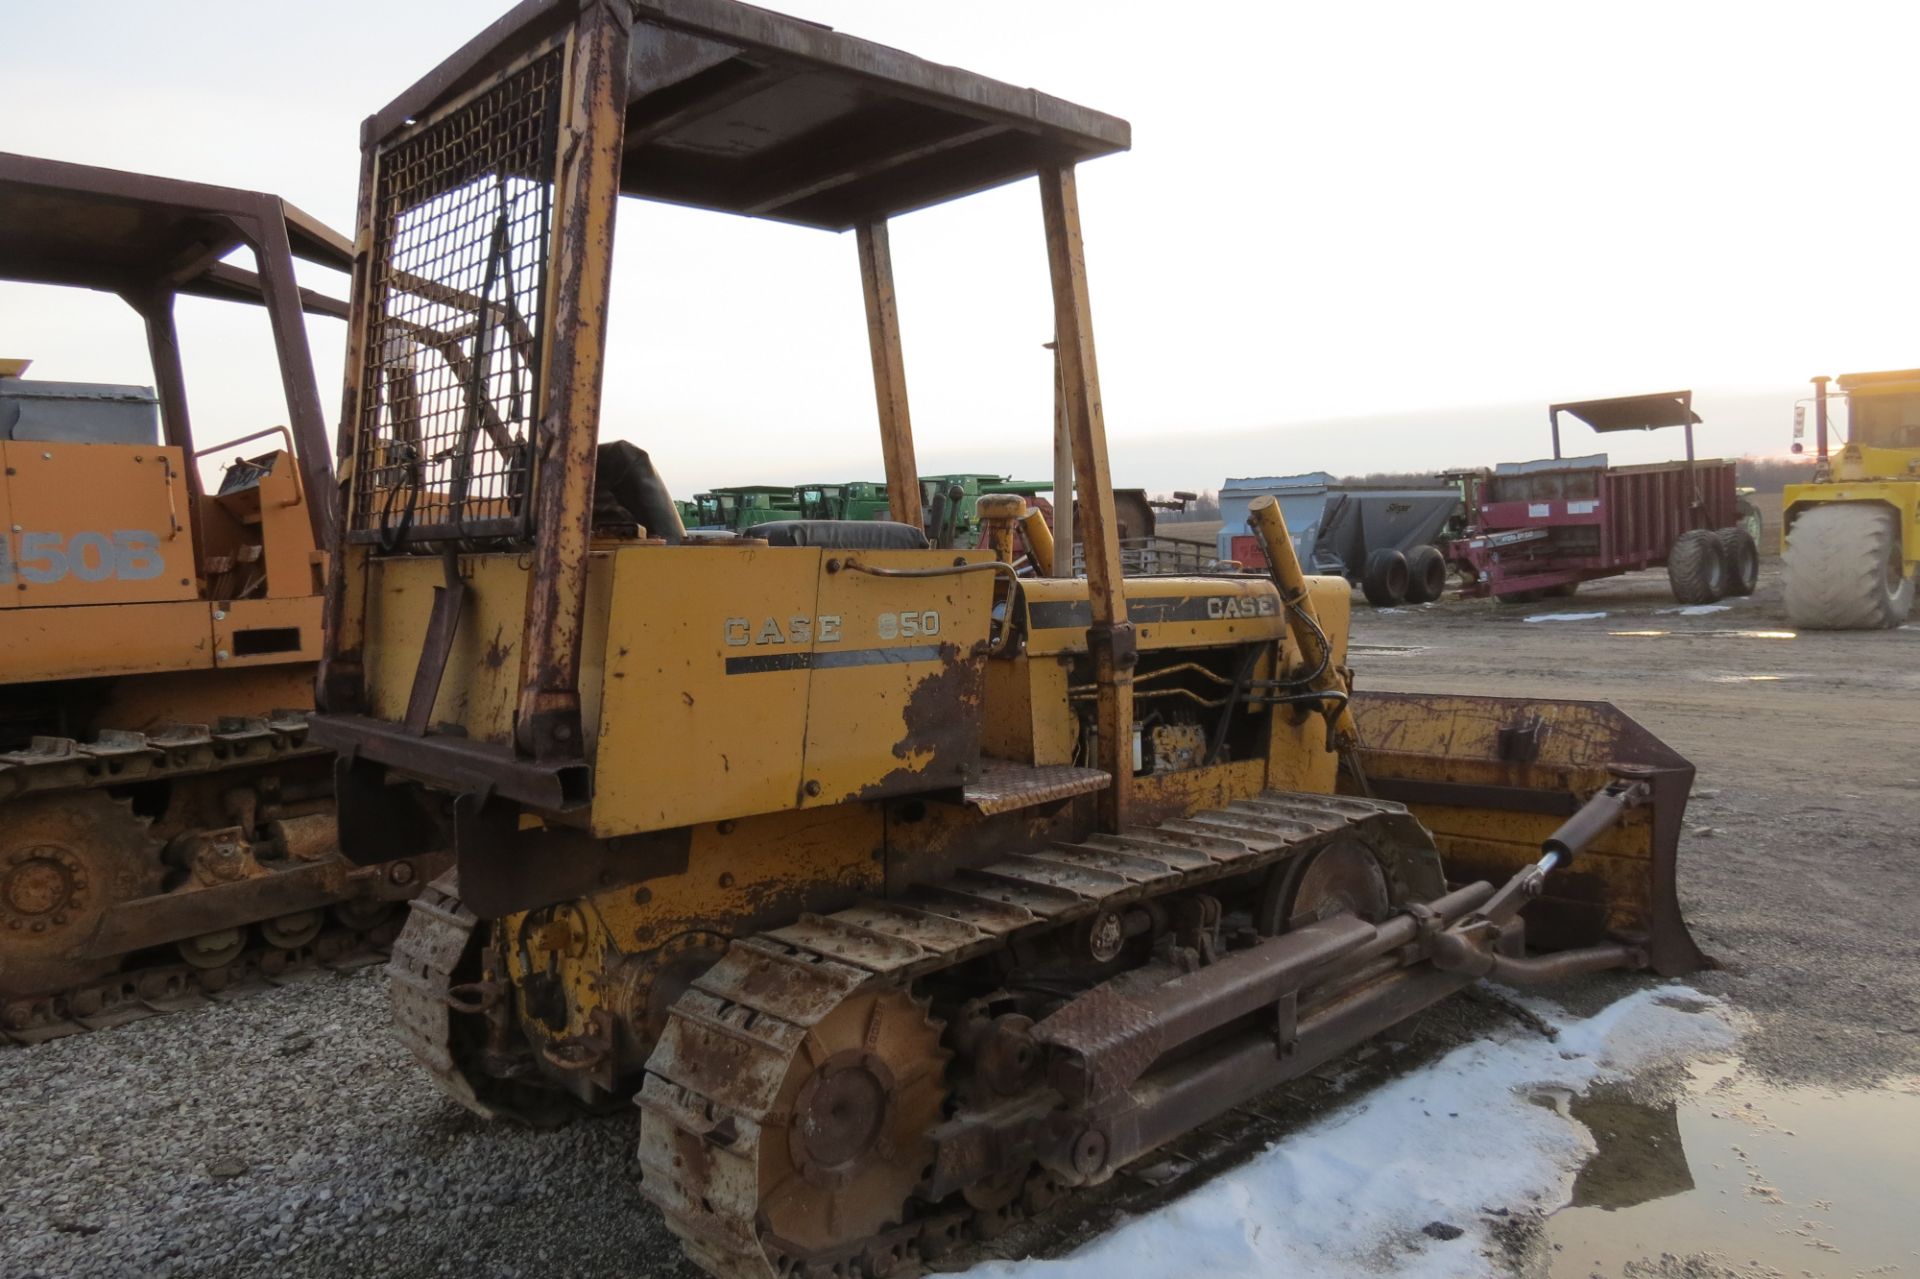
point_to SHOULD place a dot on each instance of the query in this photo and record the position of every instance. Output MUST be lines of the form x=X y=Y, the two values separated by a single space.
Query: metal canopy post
x=889 y=372
x=587 y=192
x=1110 y=638
x=1553 y=419
x=274 y=254
x=1062 y=474
x=340 y=687
x=155 y=307
x=1820 y=419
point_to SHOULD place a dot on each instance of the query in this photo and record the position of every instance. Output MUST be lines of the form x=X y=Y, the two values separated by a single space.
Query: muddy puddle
x=1734 y=1178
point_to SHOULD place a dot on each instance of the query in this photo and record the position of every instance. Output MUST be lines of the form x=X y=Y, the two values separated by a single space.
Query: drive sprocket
x=845 y=1111
x=65 y=861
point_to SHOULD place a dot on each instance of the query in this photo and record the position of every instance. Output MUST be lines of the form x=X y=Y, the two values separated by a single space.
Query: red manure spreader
x=1538 y=529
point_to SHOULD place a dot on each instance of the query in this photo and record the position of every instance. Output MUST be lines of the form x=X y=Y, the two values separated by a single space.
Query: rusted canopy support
x=548 y=722
x=1063 y=530
x=155 y=307
x=889 y=373
x=340 y=687
x=268 y=235
x=1110 y=639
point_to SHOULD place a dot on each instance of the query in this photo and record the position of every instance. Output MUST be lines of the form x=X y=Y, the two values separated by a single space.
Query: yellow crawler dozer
x=902 y=893
x=166 y=823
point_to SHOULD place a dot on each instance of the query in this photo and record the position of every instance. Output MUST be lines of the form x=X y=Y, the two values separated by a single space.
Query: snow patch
x=1347 y=1197
x=1566 y=617
x=1695 y=610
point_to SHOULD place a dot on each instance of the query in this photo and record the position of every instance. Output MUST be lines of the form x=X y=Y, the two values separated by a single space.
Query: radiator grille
x=449 y=396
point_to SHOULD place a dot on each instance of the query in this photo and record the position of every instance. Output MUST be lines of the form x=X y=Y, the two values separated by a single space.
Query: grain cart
x=1541 y=528
x=904 y=895
x=166 y=824
x=1852 y=535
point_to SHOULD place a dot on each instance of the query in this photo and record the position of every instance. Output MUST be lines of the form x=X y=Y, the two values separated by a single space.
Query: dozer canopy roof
x=88 y=227
x=741 y=110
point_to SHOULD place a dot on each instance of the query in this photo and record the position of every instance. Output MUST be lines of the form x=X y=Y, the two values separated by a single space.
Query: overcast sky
x=1351 y=236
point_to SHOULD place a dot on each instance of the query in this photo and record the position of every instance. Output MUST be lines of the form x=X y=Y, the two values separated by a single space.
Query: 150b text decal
x=41 y=559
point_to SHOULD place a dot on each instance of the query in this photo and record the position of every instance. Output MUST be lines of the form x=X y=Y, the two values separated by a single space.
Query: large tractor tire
x=1384 y=582
x=1697 y=567
x=1743 y=560
x=1844 y=570
x=1749 y=519
x=1426 y=575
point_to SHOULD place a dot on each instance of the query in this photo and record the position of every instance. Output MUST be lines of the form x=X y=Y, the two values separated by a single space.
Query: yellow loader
x=1852 y=534
x=902 y=893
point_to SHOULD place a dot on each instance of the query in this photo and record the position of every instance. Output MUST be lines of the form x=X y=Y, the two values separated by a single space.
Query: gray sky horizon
x=1348 y=238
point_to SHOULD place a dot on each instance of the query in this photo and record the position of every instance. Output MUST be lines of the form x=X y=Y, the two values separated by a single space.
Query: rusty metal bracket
x=555 y=786
x=1113 y=645
x=1286 y=1022
x=437 y=647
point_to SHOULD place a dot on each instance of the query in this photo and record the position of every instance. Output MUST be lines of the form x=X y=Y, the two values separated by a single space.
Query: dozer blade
x=1492 y=777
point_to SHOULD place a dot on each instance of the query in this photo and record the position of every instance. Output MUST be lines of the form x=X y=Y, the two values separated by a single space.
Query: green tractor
x=741 y=507
x=949 y=502
x=854 y=500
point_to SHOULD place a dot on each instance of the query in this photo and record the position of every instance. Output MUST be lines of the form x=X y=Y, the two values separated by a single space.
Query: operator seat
x=627 y=490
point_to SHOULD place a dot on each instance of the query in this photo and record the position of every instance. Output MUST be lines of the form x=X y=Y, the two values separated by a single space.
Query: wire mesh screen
x=449 y=402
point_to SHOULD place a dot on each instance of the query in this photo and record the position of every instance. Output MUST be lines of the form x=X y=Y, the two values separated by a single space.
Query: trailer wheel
x=1426 y=575
x=1384 y=582
x=1845 y=571
x=1697 y=568
x=1743 y=560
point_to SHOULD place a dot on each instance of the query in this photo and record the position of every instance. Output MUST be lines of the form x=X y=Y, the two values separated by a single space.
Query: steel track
x=707 y=1112
x=51 y=766
x=709 y=1094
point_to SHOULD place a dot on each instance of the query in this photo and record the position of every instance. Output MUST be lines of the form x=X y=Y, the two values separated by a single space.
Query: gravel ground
x=288 y=1134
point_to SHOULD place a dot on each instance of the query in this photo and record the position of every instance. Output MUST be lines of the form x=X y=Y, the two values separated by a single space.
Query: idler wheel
x=1344 y=878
